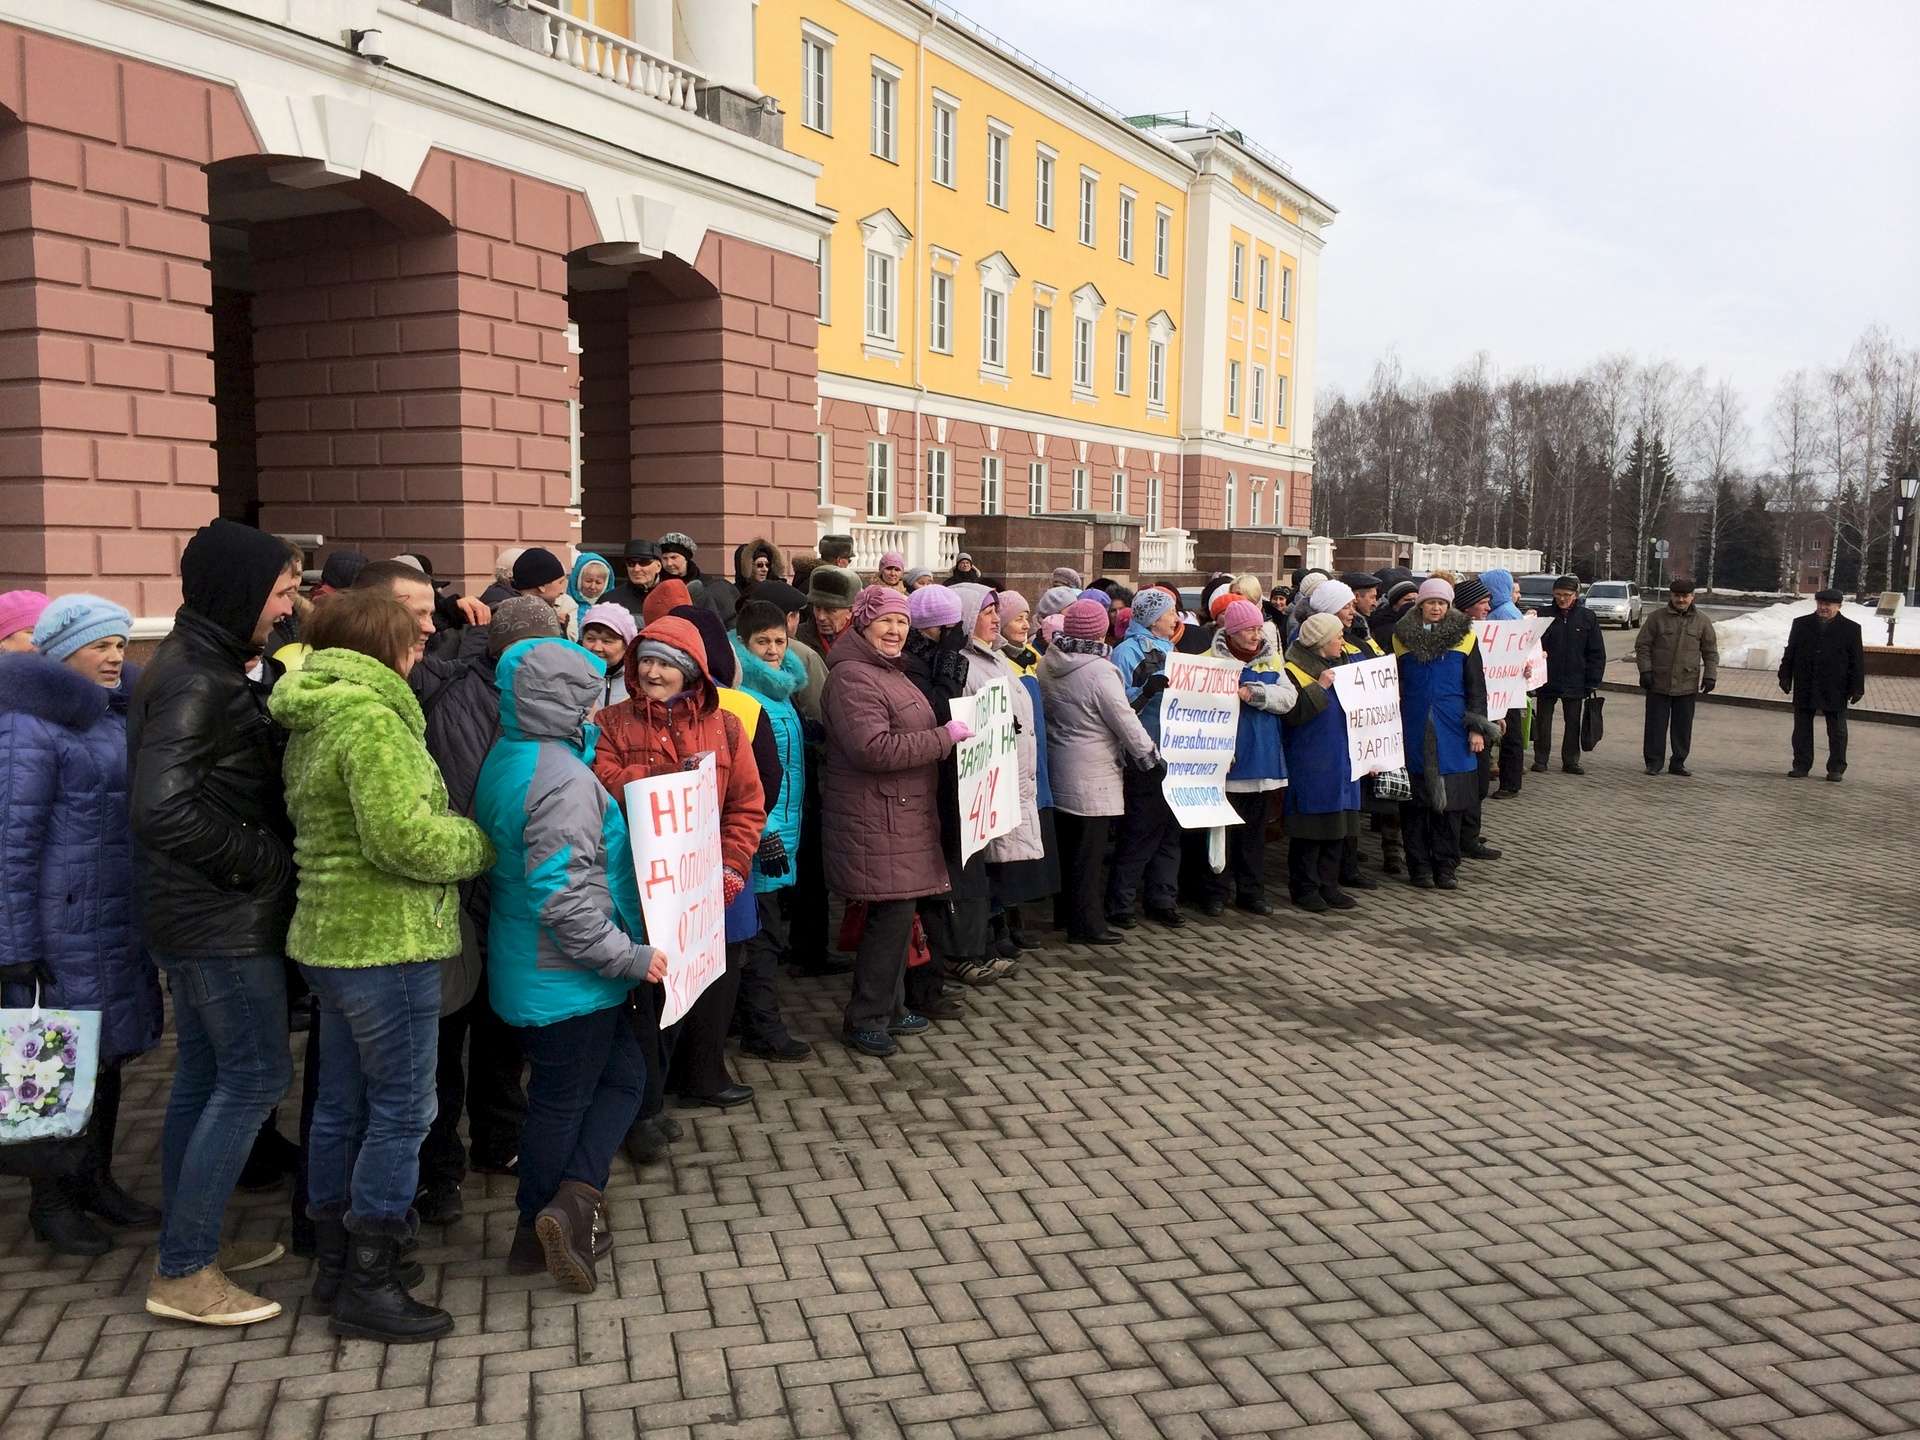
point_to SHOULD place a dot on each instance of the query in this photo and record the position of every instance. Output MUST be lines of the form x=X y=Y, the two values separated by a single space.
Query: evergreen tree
x=1709 y=547
x=1749 y=557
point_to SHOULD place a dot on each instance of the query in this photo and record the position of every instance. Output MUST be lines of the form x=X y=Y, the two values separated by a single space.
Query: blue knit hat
x=1150 y=605
x=73 y=622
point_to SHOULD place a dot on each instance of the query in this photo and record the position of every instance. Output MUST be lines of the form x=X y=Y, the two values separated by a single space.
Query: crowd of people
x=390 y=816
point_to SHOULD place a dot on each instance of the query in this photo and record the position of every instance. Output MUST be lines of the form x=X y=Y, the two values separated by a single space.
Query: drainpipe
x=922 y=108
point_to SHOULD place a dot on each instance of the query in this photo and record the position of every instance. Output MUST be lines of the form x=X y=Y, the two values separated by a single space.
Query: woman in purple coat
x=67 y=924
x=880 y=808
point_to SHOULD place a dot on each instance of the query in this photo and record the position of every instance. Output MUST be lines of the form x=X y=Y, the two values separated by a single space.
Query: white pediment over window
x=1088 y=302
x=997 y=272
x=883 y=231
x=1160 y=325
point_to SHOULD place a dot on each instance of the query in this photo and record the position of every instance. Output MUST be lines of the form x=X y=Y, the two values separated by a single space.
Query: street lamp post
x=1909 y=487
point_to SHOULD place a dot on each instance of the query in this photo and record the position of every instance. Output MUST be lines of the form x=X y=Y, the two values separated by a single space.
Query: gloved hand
x=1146 y=763
x=1786 y=687
x=959 y=730
x=26 y=972
x=732 y=882
x=1646 y=680
x=1153 y=685
x=1152 y=663
x=1706 y=687
x=771 y=857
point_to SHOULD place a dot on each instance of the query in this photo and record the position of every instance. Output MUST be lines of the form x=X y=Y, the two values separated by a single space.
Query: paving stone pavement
x=1619 y=1140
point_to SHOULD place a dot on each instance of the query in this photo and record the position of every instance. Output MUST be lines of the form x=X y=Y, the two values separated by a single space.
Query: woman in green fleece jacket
x=378 y=908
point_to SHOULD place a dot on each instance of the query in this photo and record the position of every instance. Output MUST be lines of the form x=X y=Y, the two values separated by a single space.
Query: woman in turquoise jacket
x=565 y=950
x=589 y=581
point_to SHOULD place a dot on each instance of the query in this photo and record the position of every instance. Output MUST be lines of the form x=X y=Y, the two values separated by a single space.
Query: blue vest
x=1258 y=751
x=1317 y=758
x=1045 y=786
x=1434 y=692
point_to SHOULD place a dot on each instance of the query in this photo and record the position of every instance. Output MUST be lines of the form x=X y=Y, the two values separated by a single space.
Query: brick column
x=723 y=392
x=106 y=376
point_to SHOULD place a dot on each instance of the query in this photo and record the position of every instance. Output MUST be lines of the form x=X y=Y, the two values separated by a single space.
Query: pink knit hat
x=932 y=606
x=1085 y=620
x=1435 y=589
x=893 y=557
x=21 y=610
x=1050 y=626
x=875 y=601
x=1012 y=603
x=1239 y=615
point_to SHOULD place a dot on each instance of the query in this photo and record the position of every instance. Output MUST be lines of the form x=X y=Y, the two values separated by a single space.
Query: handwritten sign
x=1369 y=692
x=1510 y=654
x=989 y=766
x=675 y=823
x=1199 y=728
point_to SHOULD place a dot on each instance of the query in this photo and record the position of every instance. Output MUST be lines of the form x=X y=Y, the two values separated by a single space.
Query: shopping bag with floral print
x=48 y=1059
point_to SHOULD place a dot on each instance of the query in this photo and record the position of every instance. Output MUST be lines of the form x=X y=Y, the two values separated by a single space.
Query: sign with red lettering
x=1369 y=692
x=675 y=824
x=1513 y=661
x=988 y=764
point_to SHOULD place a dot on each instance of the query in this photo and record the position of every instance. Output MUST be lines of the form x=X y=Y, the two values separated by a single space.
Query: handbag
x=1593 y=722
x=48 y=1062
x=853 y=925
x=1394 y=784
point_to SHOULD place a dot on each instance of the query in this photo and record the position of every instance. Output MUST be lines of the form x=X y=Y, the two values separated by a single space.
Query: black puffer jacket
x=213 y=857
x=1576 y=652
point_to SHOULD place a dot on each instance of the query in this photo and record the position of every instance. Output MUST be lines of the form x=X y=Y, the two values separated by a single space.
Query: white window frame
x=1253 y=500
x=882 y=298
x=1286 y=292
x=1127 y=198
x=943 y=139
x=1037 y=481
x=1261 y=266
x=1119 y=494
x=1159 y=337
x=1155 y=494
x=1280 y=402
x=1257 y=396
x=1089 y=231
x=1042 y=338
x=1085 y=342
x=1239 y=269
x=823 y=464
x=1043 y=172
x=816 y=81
x=939 y=479
x=1078 y=496
x=880 y=478
x=1123 y=362
x=989 y=484
x=1162 y=239
x=940 y=310
x=999 y=146
x=1233 y=387
x=993 y=329
x=1233 y=500
x=825 y=302
x=883 y=128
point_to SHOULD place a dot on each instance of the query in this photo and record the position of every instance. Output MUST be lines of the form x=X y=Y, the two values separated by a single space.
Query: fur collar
x=759 y=678
x=31 y=684
x=1427 y=644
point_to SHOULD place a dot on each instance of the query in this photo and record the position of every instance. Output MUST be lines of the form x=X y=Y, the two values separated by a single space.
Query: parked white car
x=1615 y=602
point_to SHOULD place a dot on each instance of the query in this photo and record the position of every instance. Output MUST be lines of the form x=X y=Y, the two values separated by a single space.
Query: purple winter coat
x=880 y=800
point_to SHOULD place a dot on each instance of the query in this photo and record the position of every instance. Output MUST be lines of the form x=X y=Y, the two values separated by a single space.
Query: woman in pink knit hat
x=20 y=611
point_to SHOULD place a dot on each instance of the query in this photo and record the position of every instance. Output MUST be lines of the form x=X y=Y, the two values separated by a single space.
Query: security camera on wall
x=369 y=45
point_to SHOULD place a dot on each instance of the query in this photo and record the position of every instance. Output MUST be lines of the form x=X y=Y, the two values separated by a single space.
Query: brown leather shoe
x=566 y=1230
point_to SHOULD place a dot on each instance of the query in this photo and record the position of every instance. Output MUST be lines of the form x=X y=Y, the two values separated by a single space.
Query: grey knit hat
x=521 y=618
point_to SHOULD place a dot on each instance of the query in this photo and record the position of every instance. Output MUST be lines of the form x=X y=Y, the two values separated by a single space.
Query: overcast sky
x=1735 y=185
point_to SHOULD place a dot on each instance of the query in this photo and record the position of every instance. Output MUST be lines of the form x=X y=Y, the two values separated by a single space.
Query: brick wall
x=106 y=421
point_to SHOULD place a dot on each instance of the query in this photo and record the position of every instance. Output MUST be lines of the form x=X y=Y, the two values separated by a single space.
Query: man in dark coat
x=641 y=560
x=1576 y=661
x=1825 y=670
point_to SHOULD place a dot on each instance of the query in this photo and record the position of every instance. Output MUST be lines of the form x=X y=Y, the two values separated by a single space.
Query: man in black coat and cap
x=1825 y=670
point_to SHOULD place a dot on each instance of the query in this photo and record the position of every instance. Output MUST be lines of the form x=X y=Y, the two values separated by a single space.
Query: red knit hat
x=666 y=597
x=1085 y=620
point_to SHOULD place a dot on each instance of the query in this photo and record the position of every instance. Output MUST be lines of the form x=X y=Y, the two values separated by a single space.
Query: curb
x=1755 y=702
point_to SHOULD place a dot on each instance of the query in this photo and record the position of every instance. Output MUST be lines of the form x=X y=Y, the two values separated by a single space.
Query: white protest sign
x=675 y=824
x=1199 y=727
x=988 y=762
x=1514 y=663
x=1369 y=692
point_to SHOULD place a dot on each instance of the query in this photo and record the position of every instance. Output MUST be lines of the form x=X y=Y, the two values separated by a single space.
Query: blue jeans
x=582 y=1097
x=232 y=1067
x=379 y=1045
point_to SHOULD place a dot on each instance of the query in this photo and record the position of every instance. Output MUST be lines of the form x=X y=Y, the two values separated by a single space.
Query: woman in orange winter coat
x=670 y=718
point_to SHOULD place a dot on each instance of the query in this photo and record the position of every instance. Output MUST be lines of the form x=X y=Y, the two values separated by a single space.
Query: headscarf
x=580 y=564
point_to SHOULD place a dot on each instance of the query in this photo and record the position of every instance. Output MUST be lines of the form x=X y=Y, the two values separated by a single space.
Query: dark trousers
x=1313 y=865
x=1669 y=715
x=697 y=1058
x=1513 y=750
x=1246 y=872
x=1836 y=739
x=761 y=1024
x=880 y=966
x=1432 y=838
x=1470 y=822
x=1147 y=852
x=1575 y=708
x=655 y=1046
x=479 y=1071
x=1083 y=844
x=587 y=1080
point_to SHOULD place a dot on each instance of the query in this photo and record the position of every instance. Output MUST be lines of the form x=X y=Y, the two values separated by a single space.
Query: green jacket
x=1678 y=651
x=379 y=856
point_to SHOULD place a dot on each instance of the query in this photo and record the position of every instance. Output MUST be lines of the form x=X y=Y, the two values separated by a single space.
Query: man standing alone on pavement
x=1576 y=661
x=1678 y=659
x=1825 y=670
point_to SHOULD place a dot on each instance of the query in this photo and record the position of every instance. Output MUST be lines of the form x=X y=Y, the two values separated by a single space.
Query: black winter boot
x=329 y=1262
x=374 y=1305
x=94 y=1189
x=58 y=1221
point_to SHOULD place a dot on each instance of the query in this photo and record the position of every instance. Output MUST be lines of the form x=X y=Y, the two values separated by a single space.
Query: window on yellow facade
x=1280 y=401
x=940 y=313
x=880 y=480
x=1286 y=293
x=1156 y=374
x=1089 y=200
x=1260 y=283
x=1037 y=488
x=1043 y=339
x=997 y=138
x=989 y=484
x=885 y=137
x=1233 y=387
x=944 y=123
x=1119 y=492
x=1043 y=188
x=880 y=297
x=993 y=329
x=1123 y=363
x=1126 y=226
x=1257 y=396
x=1162 y=238
x=1082 y=353
x=1239 y=271
x=816 y=82
x=1077 y=497
x=939 y=479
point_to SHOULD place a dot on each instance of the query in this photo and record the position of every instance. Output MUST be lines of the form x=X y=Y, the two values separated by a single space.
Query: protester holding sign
x=1091 y=733
x=1323 y=803
x=1259 y=757
x=565 y=947
x=880 y=808
x=1443 y=706
x=1147 y=855
x=1473 y=600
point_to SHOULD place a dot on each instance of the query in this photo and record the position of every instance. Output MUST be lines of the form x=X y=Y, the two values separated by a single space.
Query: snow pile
x=1756 y=640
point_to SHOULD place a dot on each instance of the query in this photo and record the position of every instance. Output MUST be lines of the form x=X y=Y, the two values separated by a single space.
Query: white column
x=716 y=38
x=653 y=26
x=923 y=537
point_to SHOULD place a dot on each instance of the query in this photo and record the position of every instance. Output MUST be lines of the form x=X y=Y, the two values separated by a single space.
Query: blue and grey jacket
x=1138 y=643
x=775 y=689
x=565 y=937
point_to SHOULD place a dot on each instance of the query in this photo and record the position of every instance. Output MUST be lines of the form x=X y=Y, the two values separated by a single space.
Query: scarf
x=1248 y=655
x=1073 y=645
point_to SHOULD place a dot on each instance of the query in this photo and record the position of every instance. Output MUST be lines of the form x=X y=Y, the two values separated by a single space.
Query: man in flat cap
x=1825 y=670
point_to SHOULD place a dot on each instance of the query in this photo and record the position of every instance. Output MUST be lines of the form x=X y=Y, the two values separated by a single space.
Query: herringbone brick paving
x=1620 y=1140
